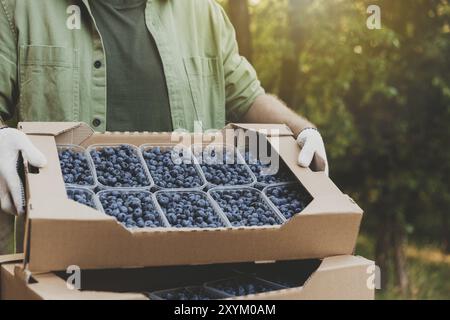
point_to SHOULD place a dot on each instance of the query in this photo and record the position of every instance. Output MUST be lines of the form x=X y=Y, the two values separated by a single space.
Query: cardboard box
x=335 y=278
x=60 y=232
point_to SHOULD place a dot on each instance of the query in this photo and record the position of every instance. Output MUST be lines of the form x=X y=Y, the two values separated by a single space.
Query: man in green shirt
x=153 y=65
x=139 y=101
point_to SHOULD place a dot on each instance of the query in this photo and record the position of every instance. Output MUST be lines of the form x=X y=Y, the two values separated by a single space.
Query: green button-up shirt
x=53 y=68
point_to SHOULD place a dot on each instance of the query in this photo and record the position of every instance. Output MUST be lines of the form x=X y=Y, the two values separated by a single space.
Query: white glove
x=313 y=150
x=11 y=189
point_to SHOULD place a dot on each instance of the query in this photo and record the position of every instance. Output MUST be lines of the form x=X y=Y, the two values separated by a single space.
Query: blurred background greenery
x=382 y=101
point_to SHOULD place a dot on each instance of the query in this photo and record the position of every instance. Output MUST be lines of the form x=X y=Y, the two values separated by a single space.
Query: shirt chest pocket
x=207 y=89
x=49 y=83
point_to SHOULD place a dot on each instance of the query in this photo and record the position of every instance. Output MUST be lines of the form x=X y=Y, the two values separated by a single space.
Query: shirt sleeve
x=8 y=63
x=242 y=85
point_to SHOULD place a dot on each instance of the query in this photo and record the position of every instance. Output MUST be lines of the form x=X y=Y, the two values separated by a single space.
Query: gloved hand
x=313 y=150
x=11 y=188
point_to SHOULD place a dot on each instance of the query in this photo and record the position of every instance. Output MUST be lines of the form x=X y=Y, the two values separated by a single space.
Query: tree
x=296 y=34
x=382 y=101
x=240 y=17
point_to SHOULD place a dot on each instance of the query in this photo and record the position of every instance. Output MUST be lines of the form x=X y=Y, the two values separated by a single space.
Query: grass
x=428 y=270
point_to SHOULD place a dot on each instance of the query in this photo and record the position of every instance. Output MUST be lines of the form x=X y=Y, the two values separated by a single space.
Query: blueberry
x=133 y=209
x=75 y=167
x=189 y=210
x=223 y=169
x=137 y=213
x=245 y=207
x=119 y=167
x=242 y=286
x=290 y=199
x=81 y=196
x=263 y=173
x=167 y=174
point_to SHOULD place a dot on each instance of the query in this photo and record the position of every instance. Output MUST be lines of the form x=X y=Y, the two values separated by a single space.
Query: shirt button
x=96 y=122
x=97 y=64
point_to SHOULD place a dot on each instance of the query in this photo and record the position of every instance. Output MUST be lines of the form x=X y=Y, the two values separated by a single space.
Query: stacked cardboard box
x=335 y=278
x=61 y=233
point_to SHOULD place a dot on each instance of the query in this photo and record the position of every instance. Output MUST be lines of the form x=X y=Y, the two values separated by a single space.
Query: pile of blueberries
x=288 y=198
x=223 y=169
x=81 y=196
x=191 y=293
x=239 y=282
x=75 y=167
x=167 y=174
x=242 y=286
x=119 y=166
x=132 y=209
x=261 y=171
x=189 y=210
x=123 y=166
x=245 y=207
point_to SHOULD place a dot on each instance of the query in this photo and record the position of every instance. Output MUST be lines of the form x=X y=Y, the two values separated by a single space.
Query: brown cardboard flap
x=64 y=132
x=332 y=205
x=317 y=183
x=22 y=274
x=19 y=284
x=339 y=277
x=51 y=287
x=100 y=245
x=13 y=288
x=69 y=210
x=10 y=258
x=48 y=128
x=353 y=274
x=338 y=262
x=49 y=182
x=269 y=130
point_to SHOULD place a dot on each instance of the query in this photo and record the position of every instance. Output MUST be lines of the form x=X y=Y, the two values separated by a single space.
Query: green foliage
x=380 y=97
x=429 y=271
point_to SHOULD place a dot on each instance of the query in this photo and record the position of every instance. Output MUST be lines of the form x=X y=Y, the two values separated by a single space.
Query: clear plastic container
x=169 y=147
x=95 y=203
x=205 y=196
x=175 y=294
x=160 y=217
x=279 y=219
x=240 y=285
x=280 y=280
x=283 y=175
x=269 y=272
x=200 y=152
x=89 y=162
x=141 y=162
x=306 y=198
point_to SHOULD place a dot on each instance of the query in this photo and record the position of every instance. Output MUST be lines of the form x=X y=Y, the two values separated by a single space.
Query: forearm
x=269 y=109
